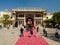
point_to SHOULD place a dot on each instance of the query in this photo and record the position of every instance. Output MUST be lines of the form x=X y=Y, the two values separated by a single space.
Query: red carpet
x=33 y=40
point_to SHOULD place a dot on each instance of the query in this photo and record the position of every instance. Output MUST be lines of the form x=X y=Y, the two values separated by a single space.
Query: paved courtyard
x=9 y=37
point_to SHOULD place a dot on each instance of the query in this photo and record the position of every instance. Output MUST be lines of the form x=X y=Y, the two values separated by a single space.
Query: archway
x=30 y=19
x=16 y=24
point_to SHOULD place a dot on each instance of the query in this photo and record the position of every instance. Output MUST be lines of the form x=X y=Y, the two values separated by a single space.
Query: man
x=37 y=28
x=21 y=29
x=56 y=33
x=45 y=31
x=30 y=27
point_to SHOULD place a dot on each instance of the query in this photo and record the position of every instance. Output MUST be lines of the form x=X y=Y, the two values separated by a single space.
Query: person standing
x=56 y=33
x=7 y=26
x=45 y=31
x=30 y=27
x=37 y=28
x=21 y=29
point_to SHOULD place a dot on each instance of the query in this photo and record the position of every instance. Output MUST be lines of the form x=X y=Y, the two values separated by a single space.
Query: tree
x=6 y=21
x=56 y=18
x=48 y=22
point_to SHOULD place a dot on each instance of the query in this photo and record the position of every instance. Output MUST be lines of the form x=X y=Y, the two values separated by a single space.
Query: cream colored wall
x=48 y=15
x=3 y=12
x=27 y=9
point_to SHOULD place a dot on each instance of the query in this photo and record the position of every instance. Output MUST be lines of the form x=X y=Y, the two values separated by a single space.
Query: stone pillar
x=34 y=19
x=24 y=19
x=14 y=16
x=18 y=23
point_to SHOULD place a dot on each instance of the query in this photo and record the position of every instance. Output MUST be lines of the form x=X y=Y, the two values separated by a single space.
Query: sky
x=49 y=5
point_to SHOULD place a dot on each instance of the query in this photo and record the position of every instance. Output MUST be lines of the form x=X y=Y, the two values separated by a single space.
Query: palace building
x=22 y=15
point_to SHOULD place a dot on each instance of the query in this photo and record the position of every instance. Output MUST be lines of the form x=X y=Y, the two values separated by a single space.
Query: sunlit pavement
x=10 y=36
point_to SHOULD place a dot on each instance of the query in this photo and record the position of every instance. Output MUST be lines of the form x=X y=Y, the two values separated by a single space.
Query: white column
x=18 y=23
x=24 y=19
x=34 y=19
x=14 y=16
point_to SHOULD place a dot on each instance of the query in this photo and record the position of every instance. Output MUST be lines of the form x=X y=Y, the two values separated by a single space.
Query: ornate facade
x=22 y=15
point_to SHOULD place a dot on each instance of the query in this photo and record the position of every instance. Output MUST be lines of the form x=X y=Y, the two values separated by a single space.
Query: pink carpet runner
x=35 y=39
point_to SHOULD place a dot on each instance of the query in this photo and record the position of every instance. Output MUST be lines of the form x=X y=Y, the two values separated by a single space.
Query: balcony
x=20 y=17
x=37 y=17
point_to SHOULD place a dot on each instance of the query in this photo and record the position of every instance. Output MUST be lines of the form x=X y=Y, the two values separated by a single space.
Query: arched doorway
x=16 y=24
x=30 y=18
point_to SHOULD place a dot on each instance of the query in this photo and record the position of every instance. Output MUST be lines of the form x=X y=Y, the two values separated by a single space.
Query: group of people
x=55 y=29
x=29 y=27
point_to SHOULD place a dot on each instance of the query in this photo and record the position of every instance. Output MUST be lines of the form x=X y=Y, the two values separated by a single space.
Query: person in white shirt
x=56 y=33
x=21 y=29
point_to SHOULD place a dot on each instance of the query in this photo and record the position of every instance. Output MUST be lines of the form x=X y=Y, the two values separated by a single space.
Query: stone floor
x=10 y=36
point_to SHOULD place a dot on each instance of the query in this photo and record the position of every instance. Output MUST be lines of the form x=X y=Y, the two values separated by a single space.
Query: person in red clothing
x=32 y=25
x=29 y=26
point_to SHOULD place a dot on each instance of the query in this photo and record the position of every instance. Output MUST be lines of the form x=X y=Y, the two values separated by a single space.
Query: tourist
x=45 y=31
x=30 y=28
x=56 y=33
x=7 y=26
x=21 y=29
x=37 y=28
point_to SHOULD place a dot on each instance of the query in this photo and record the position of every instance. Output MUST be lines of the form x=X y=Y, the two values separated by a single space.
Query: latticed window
x=21 y=15
x=38 y=15
x=16 y=15
x=21 y=22
x=38 y=22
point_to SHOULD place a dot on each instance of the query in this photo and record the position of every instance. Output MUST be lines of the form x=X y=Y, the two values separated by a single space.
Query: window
x=38 y=15
x=16 y=15
x=21 y=22
x=21 y=15
x=38 y=22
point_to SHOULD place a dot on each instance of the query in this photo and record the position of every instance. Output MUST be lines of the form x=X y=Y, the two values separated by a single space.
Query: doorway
x=30 y=18
x=16 y=24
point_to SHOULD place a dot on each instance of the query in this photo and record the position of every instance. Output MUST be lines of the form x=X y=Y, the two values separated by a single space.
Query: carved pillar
x=34 y=20
x=24 y=19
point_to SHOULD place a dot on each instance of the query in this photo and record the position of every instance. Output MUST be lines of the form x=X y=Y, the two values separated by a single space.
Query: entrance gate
x=30 y=17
